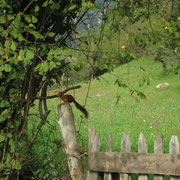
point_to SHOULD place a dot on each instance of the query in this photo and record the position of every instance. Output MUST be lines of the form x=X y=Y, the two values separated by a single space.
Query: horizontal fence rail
x=141 y=163
x=126 y=162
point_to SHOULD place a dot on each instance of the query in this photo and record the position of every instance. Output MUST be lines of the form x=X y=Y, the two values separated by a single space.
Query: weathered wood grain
x=125 y=147
x=140 y=163
x=93 y=146
x=66 y=122
x=142 y=148
x=91 y=136
x=158 y=149
x=108 y=176
x=174 y=149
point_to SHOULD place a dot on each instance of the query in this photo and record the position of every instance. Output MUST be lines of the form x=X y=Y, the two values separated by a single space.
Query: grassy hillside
x=159 y=113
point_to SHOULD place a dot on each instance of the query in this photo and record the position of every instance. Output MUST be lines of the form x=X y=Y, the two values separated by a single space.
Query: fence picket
x=125 y=147
x=108 y=176
x=94 y=146
x=159 y=149
x=142 y=148
x=174 y=149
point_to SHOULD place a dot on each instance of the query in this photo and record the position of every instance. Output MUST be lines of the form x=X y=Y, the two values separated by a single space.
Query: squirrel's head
x=60 y=93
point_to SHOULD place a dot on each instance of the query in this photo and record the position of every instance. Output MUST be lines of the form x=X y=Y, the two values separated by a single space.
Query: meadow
x=158 y=113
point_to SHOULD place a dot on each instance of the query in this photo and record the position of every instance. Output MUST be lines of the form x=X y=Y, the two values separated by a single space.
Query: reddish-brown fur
x=69 y=98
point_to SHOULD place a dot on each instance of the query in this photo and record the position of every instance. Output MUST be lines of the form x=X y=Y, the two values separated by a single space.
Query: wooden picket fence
x=126 y=162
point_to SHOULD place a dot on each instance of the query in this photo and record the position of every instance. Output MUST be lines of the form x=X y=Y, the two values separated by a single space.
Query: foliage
x=142 y=27
x=130 y=29
x=33 y=56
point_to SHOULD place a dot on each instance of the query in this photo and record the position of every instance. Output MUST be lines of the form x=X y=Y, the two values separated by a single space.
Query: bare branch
x=28 y=6
x=55 y=96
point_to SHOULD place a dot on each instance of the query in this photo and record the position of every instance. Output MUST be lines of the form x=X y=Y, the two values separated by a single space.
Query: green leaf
x=5 y=33
x=50 y=1
x=44 y=67
x=1 y=29
x=38 y=35
x=10 y=136
x=1 y=120
x=51 y=34
x=7 y=43
x=72 y=7
x=29 y=54
x=12 y=149
x=49 y=57
x=4 y=103
x=27 y=61
x=34 y=19
x=141 y=95
x=36 y=8
x=55 y=6
x=17 y=165
x=21 y=52
x=68 y=52
x=52 y=64
x=45 y=4
x=10 y=17
x=8 y=158
x=8 y=67
x=3 y=19
x=2 y=137
x=61 y=57
x=57 y=51
x=31 y=25
x=18 y=18
x=84 y=6
x=20 y=37
x=27 y=18
x=1 y=51
x=13 y=46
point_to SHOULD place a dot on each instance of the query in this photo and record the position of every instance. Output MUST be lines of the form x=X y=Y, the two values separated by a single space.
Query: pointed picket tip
x=142 y=146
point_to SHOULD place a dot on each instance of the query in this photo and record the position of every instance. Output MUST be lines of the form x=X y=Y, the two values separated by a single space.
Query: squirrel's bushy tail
x=81 y=108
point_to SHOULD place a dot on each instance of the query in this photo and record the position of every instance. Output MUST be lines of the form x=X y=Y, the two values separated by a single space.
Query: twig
x=74 y=26
x=28 y=6
x=71 y=88
x=55 y=96
x=43 y=116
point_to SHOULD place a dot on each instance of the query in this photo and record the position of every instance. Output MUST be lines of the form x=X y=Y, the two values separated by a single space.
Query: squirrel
x=69 y=98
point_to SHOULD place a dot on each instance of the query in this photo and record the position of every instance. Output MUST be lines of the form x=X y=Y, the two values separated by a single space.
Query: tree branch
x=55 y=96
x=28 y=6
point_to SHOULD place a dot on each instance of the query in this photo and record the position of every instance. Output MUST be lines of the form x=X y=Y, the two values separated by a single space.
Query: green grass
x=159 y=113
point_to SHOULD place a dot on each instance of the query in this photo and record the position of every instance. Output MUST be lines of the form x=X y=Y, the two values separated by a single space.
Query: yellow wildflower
x=123 y=47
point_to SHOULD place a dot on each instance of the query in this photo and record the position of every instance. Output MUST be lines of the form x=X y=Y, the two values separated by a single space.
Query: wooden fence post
x=125 y=147
x=66 y=122
x=158 y=149
x=108 y=176
x=94 y=145
x=174 y=149
x=142 y=148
